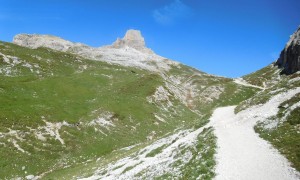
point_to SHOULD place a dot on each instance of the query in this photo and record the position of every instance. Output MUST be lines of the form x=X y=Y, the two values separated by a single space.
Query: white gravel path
x=242 y=82
x=241 y=153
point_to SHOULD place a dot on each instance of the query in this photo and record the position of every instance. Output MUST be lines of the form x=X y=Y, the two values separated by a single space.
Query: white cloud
x=172 y=12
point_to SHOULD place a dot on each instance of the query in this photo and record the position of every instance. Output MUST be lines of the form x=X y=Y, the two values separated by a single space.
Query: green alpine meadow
x=70 y=111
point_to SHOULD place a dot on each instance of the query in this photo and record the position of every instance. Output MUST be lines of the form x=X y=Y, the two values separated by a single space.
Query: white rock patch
x=211 y=93
x=52 y=129
x=11 y=62
x=104 y=120
x=294 y=80
x=155 y=166
x=18 y=147
x=161 y=94
x=49 y=130
x=159 y=118
x=290 y=109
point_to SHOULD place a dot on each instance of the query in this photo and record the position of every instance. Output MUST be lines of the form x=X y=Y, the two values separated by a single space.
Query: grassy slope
x=267 y=76
x=64 y=87
x=61 y=93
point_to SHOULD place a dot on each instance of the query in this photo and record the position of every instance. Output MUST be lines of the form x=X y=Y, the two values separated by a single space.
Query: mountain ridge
x=133 y=51
x=129 y=51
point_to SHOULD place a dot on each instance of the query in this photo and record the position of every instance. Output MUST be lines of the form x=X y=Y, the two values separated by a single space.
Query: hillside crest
x=128 y=51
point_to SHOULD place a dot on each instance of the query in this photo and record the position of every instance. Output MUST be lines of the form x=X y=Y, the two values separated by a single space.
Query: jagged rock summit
x=128 y=51
x=289 y=58
x=134 y=39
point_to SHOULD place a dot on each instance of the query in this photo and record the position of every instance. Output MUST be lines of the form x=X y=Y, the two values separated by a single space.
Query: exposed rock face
x=289 y=58
x=129 y=51
x=133 y=39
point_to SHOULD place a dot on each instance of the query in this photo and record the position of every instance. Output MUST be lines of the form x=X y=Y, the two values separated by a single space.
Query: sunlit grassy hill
x=60 y=111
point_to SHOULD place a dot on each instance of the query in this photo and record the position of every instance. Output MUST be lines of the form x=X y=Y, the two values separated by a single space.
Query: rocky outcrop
x=133 y=39
x=289 y=59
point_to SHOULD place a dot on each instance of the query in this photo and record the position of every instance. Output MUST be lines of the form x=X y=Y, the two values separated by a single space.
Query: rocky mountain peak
x=134 y=39
x=289 y=58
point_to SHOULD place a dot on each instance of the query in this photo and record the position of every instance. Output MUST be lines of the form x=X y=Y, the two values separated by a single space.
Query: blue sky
x=228 y=38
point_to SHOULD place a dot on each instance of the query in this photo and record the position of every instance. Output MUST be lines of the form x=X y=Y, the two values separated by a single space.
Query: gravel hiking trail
x=241 y=153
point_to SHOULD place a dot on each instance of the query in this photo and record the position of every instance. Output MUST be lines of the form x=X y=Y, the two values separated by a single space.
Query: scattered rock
x=29 y=177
